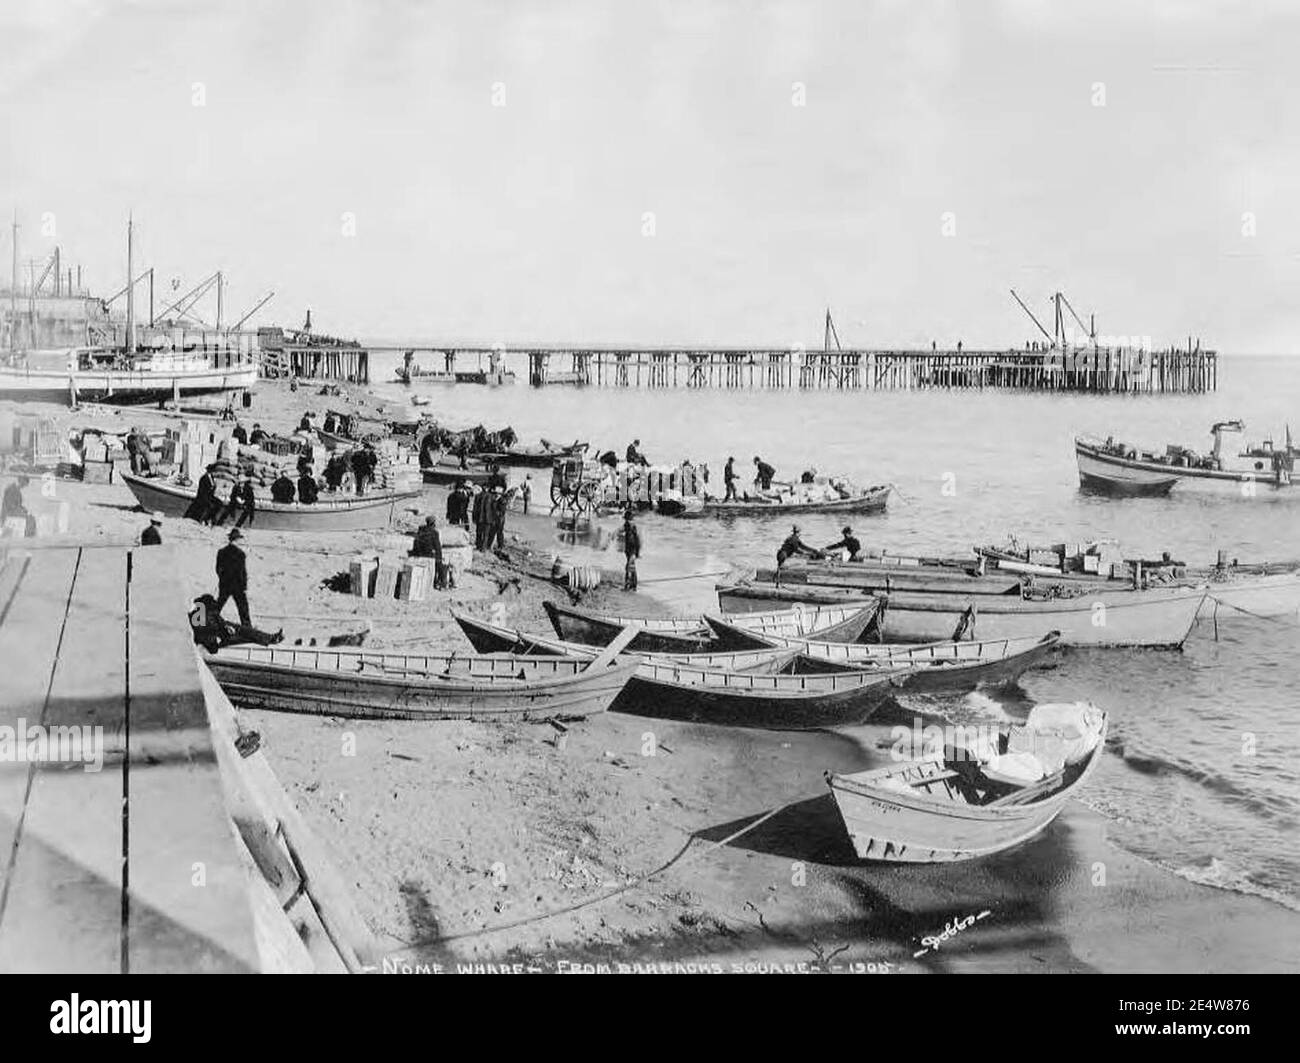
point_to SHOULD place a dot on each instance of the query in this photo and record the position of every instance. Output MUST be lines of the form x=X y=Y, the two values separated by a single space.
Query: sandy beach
x=630 y=840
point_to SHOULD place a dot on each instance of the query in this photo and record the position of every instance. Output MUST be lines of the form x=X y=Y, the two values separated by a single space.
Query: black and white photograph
x=685 y=487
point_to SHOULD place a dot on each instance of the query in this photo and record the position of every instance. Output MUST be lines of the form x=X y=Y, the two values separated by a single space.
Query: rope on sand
x=600 y=898
x=693 y=575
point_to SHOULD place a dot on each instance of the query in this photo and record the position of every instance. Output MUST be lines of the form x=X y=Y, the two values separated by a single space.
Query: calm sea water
x=1201 y=774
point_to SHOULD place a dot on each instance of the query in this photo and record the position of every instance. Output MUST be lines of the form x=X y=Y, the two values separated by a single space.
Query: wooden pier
x=179 y=853
x=1097 y=370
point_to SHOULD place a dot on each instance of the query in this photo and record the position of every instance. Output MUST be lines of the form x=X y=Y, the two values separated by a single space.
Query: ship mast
x=130 y=287
x=13 y=293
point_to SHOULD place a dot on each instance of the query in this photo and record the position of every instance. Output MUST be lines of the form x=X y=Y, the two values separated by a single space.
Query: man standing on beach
x=497 y=528
x=13 y=506
x=151 y=536
x=232 y=577
x=631 y=550
x=482 y=511
x=729 y=478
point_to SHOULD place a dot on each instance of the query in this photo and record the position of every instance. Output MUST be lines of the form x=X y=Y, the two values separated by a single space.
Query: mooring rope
x=636 y=883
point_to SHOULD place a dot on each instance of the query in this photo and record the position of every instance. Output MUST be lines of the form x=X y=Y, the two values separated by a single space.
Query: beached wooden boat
x=802 y=694
x=870 y=500
x=652 y=635
x=332 y=513
x=932 y=666
x=942 y=807
x=357 y=683
x=447 y=472
x=693 y=635
x=1157 y=618
x=486 y=637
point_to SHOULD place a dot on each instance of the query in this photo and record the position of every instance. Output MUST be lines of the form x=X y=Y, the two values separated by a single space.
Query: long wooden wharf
x=178 y=854
x=1122 y=370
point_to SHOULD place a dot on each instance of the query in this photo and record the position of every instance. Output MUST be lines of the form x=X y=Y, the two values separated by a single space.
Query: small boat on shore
x=486 y=637
x=885 y=579
x=541 y=456
x=869 y=500
x=693 y=635
x=331 y=513
x=447 y=472
x=1157 y=617
x=361 y=685
x=652 y=635
x=932 y=666
x=957 y=804
x=804 y=694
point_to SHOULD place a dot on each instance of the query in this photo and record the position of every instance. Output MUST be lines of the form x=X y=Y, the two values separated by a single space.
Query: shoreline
x=449 y=829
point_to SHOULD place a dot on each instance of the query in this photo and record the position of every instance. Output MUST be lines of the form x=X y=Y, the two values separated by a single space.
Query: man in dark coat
x=458 y=506
x=239 y=435
x=428 y=543
x=232 y=578
x=335 y=469
x=257 y=435
x=497 y=531
x=282 y=489
x=848 y=541
x=763 y=473
x=729 y=478
x=482 y=511
x=792 y=546
x=634 y=455
x=137 y=446
x=151 y=536
x=631 y=550
x=205 y=506
x=13 y=506
x=308 y=492
x=243 y=503
x=363 y=467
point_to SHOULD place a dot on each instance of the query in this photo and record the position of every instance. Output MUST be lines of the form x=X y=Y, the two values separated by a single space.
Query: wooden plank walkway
x=133 y=867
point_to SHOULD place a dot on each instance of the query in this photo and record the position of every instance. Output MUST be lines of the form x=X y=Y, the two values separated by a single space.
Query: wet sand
x=475 y=843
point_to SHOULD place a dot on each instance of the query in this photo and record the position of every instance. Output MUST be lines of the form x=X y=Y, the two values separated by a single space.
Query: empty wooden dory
x=938 y=808
x=356 y=683
x=486 y=637
x=931 y=666
x=692 y=635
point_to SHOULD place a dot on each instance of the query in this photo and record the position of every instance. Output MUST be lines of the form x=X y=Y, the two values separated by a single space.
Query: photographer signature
x=951 y=928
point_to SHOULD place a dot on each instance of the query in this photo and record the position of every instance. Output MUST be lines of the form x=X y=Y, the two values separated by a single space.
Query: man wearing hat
x=497 y=519
x=848 y=543
x=151 y=536
x=729 y=478
x=631 y=549
x=458 y=505
x=232 y=577
x=793 y=546
x=205 y=506
x=482 y=519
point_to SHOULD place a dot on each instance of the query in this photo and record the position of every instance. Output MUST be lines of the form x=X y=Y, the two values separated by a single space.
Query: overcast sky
x=675 y=172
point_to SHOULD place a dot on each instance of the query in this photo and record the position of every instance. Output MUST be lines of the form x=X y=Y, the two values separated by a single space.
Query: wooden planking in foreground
x=64 y=905
x=134 y=867
x=189 y=909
